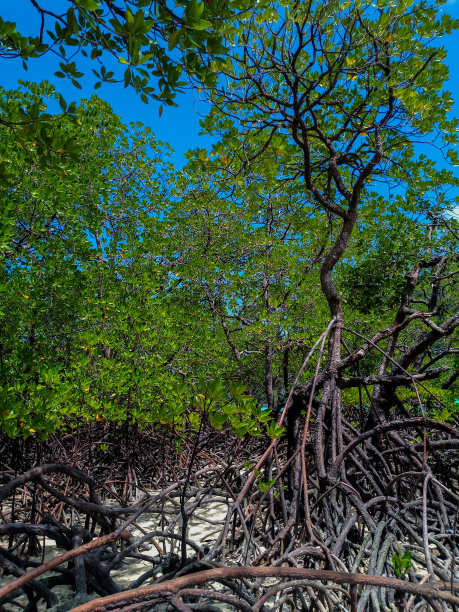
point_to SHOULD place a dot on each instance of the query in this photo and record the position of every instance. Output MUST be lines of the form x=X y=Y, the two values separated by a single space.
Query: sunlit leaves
x=137 y=33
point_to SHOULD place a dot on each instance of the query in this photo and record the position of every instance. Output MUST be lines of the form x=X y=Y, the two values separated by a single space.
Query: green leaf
x=217 y=419
x=202 y=24
x=194 y=10
x=402 y=563
x=129 y=18
x=89 y=5
x=173 y=39
x=274 y=431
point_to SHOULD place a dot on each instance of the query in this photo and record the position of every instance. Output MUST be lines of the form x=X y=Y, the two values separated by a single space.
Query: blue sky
x=177 y=126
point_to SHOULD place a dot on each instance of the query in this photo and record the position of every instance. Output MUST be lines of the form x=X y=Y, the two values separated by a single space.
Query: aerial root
x=380 y=531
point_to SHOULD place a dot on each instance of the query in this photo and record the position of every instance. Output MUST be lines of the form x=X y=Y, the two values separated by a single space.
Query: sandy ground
x=203 y=527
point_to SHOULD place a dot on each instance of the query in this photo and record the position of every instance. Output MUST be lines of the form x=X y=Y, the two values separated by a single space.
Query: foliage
x=93 y=323
x=402 y=563
x=138 y=37
x=64 y=268
x=149 y=46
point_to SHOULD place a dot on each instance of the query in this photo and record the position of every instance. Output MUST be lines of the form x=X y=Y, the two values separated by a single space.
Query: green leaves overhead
x=363 y=81
x=138 y=34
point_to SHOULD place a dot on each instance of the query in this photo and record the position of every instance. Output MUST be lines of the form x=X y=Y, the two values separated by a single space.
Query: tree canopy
x=136 y=293
x=137 y=37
